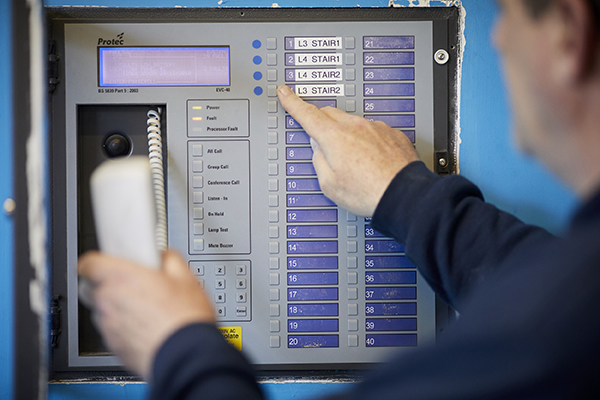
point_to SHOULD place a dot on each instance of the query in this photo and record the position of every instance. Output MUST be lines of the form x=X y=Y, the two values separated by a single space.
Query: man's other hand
x=138 y=308
x=355 y=159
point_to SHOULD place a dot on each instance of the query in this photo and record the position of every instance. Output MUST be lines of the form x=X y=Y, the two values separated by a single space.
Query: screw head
x=442 y=162
x=9 y=206
x=441 y=56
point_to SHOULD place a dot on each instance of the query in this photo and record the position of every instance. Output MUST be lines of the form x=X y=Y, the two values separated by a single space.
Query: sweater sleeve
x=450 y=233
x=197 y=363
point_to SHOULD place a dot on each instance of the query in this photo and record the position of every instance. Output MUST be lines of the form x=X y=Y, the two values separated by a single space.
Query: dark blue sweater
x=529 y=325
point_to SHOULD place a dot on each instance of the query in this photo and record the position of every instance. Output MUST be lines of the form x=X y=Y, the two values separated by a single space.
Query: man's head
x=551 y=56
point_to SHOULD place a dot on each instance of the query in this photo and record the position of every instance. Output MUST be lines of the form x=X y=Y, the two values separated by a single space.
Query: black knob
x=117 y=145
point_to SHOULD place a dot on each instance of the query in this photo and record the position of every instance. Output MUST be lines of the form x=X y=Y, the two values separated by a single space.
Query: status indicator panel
x=299 y=281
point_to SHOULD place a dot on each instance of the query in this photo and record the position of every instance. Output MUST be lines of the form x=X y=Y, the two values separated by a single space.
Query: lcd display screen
x=163 y=66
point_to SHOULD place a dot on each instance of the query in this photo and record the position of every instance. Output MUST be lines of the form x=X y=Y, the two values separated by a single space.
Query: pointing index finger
x=313 y=120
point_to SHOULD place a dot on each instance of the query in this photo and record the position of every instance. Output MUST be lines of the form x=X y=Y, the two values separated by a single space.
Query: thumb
x=174 y=265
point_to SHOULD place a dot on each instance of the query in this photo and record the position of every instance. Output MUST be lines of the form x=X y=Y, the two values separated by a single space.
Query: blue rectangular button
x=322 y=103
x=391 y=293
x=300 y=169
x=391 y=340
x=389 y=58
x=391 y=324
x=383 y=246
x=388 y=42
x=308 y=200
x=395 y=121
x=388 y=262
x=297 y=137
x=328 y=215
x=289 y=43
x=389 y=105
x=391 y=309
x=291 y=123
x=370 y=232
x=409 y=134
x=312 y=278
x=303 y=185
x=389 y=89
x=316 y=247
x=312 y=231
x=308 y=294
x=313 y=310
x=389 y=74
x=395 y=277
x=313 y=325
x=312 y=341
x=298 y=153
x=326 y=262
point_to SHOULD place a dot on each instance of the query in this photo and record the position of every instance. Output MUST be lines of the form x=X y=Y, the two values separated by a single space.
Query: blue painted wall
x=487 y=157
x=6 y=251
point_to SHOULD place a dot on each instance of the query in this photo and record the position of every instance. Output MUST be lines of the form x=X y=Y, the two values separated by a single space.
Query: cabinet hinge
x=55 y=330
x=52 y=71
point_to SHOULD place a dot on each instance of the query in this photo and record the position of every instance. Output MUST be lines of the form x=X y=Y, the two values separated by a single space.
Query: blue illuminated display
x=395 y=277
x=312 y=231
x=395 y=121
x=313 y=325
x=409 y=134
x=389 y=105
x=312 y=278
x=391 y=293
x=298 y=153
x=300 y=169
x=308 y=294
x=303 y=185
x=388 y=262
x=390 y=58
x=319 y=262
x=391 y=340
x=388 y=42
x=389 y=89
x=297 y=137
x=313 y=341
x=313 y=310
x=291 y=123
x=328 y=215
x=370 y=232
x=391 y=309
x=383 y=246
x=389 y=74
x=391 y=324
x=163 y=66
x=316 y=247
x=308 y=200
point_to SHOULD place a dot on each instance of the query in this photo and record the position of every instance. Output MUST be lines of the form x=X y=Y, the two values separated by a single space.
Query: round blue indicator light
x=257 y=60
x=257 y=76
x=258 y=90
x=256 y=44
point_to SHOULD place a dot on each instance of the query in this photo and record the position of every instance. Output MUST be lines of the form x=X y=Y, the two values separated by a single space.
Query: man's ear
x=574 y=33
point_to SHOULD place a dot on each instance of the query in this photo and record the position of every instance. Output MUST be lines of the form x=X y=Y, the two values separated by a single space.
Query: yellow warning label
x=233 y=334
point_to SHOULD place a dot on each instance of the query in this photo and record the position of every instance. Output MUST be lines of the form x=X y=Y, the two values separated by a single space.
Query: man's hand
x=138 y=308
x=355 y=159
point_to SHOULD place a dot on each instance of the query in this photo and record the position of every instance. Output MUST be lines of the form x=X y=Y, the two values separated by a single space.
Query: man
x=529 y=325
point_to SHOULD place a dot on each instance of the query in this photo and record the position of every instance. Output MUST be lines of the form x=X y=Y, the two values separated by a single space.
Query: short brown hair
x=537 y=7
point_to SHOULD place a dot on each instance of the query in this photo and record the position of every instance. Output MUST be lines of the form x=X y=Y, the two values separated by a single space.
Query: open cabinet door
x=30 y=330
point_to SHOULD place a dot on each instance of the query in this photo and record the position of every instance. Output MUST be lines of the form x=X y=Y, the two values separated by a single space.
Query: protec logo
x=118 y=41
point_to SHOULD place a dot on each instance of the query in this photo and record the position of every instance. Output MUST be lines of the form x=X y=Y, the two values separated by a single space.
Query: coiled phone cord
x=155 y=154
